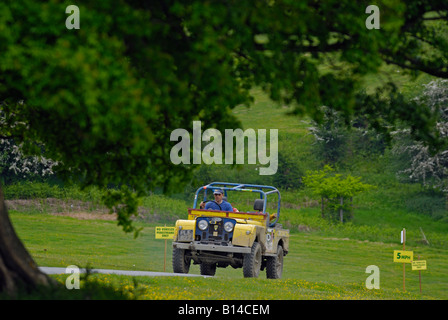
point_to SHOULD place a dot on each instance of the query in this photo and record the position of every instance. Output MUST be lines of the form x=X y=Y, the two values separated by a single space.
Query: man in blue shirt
x=218 y=203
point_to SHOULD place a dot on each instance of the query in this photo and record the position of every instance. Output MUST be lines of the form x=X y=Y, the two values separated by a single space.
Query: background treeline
x=391 y=161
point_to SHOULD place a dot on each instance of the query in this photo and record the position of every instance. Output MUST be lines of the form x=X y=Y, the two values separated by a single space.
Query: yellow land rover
x=216 y=237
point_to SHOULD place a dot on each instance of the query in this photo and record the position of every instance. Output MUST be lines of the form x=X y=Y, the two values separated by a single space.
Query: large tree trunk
x=17 y=268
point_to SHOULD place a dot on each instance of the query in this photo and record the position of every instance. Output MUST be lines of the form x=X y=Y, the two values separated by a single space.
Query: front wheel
x=181 y=263
x=252 y=262
x=274 y=265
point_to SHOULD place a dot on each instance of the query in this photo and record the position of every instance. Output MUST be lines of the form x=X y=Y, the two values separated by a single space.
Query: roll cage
x=263 y=190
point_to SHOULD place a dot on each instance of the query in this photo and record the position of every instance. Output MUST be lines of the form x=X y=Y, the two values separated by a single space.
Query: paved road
x=54 y=270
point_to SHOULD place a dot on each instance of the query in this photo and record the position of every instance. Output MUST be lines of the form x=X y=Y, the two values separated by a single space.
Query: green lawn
x=265 y=114
x=318 y=266
x=325 y=262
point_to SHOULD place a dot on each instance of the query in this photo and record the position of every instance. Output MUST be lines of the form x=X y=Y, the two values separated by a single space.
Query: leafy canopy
x=104 y=99
x=328 y=184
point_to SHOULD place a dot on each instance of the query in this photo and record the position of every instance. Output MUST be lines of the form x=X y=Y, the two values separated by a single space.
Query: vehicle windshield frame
x=263 y=190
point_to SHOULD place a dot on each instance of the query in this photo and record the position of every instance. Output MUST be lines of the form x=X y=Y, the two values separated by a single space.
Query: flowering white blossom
x=429 y=169
x=13 y=159
x=14 y=162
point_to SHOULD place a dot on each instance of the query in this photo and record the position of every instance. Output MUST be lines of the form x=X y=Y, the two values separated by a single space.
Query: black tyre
x=252 y=262
x=208 y=269
x=181 y=263
x=274 y=265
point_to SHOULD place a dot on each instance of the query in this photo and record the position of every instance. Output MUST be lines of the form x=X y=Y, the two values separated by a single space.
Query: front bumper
x=194 y=246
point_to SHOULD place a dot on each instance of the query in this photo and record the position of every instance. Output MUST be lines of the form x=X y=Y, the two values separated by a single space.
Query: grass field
x=318 y=266
x=326 y=261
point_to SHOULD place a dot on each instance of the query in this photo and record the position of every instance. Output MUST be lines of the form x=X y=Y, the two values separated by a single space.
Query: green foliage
x=43 y=190
x=337 y=141
x=433 y=205
x=331 y=136
x=104 y=99
x=289 y=173
x=325 y=183
x=32 y=190
x=124 y=203
x=14 y=166
x=335 y=189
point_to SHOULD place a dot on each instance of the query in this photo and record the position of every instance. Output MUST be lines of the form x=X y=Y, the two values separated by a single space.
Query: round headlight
x=202 y=224
x=228 y=226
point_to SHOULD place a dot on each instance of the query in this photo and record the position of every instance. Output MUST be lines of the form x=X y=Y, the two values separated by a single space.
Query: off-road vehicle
x=251 y=240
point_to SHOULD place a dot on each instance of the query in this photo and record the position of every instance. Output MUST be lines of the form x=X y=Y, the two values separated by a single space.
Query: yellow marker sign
x=403 y=256
x=165 y=232
x=419 y=265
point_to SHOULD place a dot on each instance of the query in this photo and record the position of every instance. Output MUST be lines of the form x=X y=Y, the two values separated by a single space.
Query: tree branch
x=415 y=65
x=435 y=18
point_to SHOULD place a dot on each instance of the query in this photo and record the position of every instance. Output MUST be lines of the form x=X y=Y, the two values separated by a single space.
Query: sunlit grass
x=320 y=265
x=187 y=288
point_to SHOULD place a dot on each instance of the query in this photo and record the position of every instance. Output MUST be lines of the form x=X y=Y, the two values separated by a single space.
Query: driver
x=218 y=203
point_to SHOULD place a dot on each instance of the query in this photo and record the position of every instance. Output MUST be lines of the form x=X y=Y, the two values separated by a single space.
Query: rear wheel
x=274 y=265
x=181 y=263
x=208 y=269
x=252 y=262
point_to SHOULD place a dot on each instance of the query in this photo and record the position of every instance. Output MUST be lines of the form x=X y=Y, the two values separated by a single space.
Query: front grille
x=215 y=233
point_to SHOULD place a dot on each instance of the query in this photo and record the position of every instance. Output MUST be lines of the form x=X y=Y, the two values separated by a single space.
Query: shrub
x=335 y=191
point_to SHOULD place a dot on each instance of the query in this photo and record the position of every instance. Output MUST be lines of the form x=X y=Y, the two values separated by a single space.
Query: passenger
x=218 y=203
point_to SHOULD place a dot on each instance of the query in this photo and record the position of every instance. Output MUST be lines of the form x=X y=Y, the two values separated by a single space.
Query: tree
x=14 y=165
x=331 y=136
x=104 y=98
x=289 y=174
x=335 y=191
x=334 y=138
x=426 y=167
